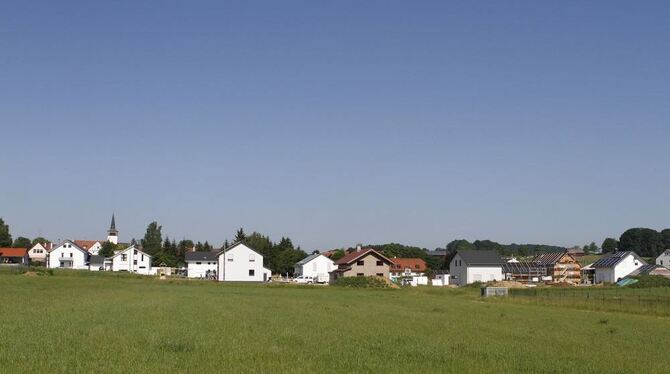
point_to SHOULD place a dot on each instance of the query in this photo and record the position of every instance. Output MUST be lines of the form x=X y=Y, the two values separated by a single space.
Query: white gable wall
x=458 y=271
x=320 y=265
x=621 y=270
x=132 y=260
x=241 y=264
x=68 y=256
x=663 y=260
x=462 y=274
x=37 y=253
x=95 y=249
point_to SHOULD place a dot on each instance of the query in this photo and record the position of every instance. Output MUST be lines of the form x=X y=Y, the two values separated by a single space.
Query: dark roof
x=355 y=255
x=522 y=267
x=308 y=259
x=96 y=259
x=202 y=256
x=613 y=259
x=550 y=258
x=437 y=253
x=480 y=258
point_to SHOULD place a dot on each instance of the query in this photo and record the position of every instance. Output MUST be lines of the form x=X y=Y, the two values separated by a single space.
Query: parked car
x=303 y=279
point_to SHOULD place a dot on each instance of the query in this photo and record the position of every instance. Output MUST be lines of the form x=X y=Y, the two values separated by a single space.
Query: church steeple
x=113 y=233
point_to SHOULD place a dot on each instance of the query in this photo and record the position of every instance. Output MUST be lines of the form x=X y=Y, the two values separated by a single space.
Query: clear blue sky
x=336 y=122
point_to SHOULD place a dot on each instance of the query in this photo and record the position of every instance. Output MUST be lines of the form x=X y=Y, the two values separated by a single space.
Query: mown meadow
x=102 y=322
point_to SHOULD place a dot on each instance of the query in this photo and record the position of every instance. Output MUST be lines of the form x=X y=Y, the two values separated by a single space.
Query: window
x=252 y=258
x=380 y=263
x=198 y=263
x=135 y=252
x=360 y=274
x=252 y=272
x=360 y=263
x=134 y=262
x=123 y=257
x=71 y=256
x=142 y=258
x=380 y=274
x=230 y=258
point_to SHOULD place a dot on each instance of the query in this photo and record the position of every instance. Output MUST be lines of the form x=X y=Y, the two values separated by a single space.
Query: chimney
x=358 y=248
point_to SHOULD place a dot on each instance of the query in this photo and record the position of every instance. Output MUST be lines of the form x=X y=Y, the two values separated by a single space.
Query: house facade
x=470 y=266
x=68 y=255
x=440 y=278
x=14 y=256
x=92 y=246
x=240 y=263
x=562 y=266
x=664 y=259
x=616 y=266
x=362 y=263
x=408 y=271
x=39 y=252
x=316 y=266
x=202 y=265
x=131 y=260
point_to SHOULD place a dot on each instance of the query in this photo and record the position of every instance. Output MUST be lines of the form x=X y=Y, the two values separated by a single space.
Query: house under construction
x=560 y=266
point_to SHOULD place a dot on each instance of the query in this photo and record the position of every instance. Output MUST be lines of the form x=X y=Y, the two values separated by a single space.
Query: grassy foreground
x=88 y=322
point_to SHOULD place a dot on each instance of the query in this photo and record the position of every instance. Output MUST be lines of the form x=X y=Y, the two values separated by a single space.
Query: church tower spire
x=113 y=233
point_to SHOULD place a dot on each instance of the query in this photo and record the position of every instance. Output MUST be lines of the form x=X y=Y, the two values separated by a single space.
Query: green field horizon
x=119 y=323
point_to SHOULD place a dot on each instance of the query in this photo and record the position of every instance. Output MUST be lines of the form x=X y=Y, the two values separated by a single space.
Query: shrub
x=651 y=281
x=362 y=282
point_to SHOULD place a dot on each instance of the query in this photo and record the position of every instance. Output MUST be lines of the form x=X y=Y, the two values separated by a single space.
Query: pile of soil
x=508 y=284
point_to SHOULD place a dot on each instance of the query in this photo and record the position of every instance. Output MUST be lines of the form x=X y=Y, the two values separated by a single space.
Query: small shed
x=494 y=291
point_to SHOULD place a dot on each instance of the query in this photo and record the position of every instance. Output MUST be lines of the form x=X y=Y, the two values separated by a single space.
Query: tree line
x=278 y=256
x=643 y=241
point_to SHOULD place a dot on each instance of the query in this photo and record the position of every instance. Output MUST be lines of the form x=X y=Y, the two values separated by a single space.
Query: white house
x=240 y=263
x=471 y=266
x=38 y=252
x=201 y=264
x=440 y=278
x=616 y=266
x=409 y=271
x=664 y=259
x=98 y=263
x=316 y=266
x=131 y=260
x=92 y=246
x=68 y=255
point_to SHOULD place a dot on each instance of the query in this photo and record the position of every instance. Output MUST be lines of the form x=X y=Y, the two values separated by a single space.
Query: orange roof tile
x=13 y=252
x=416 y=264
x=85 y=244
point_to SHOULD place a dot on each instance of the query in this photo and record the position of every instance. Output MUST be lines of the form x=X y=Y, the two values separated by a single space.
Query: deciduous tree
x=5 y=236
x=610 y=245
x=22 y=242
x=153 y=239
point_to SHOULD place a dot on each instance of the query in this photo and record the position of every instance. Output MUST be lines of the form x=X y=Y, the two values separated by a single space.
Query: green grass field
x=96 y=322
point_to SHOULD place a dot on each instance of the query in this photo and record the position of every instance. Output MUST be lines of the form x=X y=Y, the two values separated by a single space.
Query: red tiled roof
x=85 y=244
x=355 y=255
x=13 y=252
x=416 y=264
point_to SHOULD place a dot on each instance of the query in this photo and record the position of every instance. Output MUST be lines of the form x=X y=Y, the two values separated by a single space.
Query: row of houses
x=472 y=266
